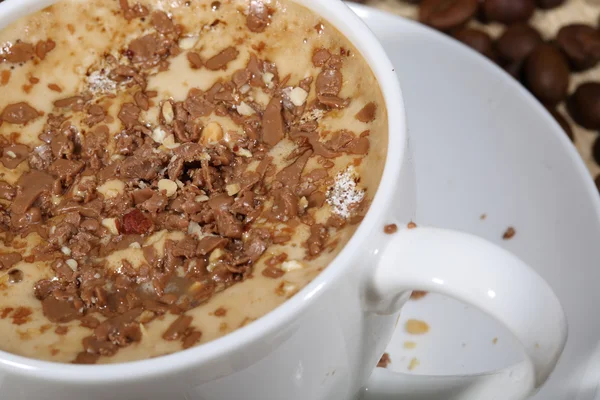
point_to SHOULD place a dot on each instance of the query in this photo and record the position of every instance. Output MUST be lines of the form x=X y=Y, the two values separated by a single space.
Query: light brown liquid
x=84 y=31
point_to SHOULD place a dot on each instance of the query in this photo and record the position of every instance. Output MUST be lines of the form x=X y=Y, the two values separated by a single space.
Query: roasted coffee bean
x=547 y=74
x=517 y=42
x=478 y=40
x=515 y=69
x=508 y=11
x=581 y=45
x=596 y=150
x=446 y=15
x=562 y=121
x=548 y=4
x=584 y=105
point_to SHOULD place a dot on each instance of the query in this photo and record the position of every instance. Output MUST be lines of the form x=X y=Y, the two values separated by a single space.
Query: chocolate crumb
x=384 y=361
x=367 y=114
x=509 y=234
x=221 y=60
x=61 y=330
x=390 y=229
x=177 y=329
x=19 y=113
x=54 y=87
x=21 y=315
x=220 y=312
x=273 y=272
x=195 y=60
x=259 y=15
x=191 y=339
x=418 y=294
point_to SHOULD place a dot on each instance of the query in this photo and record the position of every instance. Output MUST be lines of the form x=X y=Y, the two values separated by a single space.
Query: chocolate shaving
x=13 y=156
x=195 y=60
x=367 y=113
x=19 y=113
x=177 y=329
x=221 y=60
x=272 y=122
x=7 y=260
x=20 y=52
x=258 y=17
x=30 y=187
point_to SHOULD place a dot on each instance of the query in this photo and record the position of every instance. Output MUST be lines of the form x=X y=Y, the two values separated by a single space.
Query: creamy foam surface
x=84 y=32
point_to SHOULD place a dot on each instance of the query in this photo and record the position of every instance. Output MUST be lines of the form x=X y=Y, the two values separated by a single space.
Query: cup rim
x=350 y=25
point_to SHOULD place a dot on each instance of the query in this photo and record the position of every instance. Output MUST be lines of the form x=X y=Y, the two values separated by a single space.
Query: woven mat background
x=548 y=23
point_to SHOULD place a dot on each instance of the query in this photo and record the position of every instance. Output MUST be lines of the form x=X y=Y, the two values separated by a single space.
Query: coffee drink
x=173 y=170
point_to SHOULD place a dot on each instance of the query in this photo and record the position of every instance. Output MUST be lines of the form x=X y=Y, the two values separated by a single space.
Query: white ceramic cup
x=325 y=341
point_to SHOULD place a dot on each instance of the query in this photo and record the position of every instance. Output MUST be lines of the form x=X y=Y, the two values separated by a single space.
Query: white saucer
x=484 y=145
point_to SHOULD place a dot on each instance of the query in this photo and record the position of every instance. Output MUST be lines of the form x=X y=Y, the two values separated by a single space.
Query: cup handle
x=479 y=273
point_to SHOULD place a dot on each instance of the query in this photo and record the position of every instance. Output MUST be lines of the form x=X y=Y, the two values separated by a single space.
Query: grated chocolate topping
x=143 y=217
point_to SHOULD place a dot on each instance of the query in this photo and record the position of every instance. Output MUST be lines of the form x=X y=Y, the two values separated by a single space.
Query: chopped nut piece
x=111 y=225
x=201 y=198
x=194 y=229
x=159 y=135
x=111 y=189
x=303 y=202
x=65 y=250
x=167 y=111
x=243 y=153
x=169 y=142
x=268 y=79
x=215 y=255
x=72 y=264
x=286 y=289
x=188 y=43
x=298 y=96
x=212 y=133
x=233 y=189
x=168 y=186
x=245 y=109
x=291 y=265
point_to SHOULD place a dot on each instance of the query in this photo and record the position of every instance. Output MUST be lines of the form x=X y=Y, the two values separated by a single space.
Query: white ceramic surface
x=483 y=145
x=323 y=343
